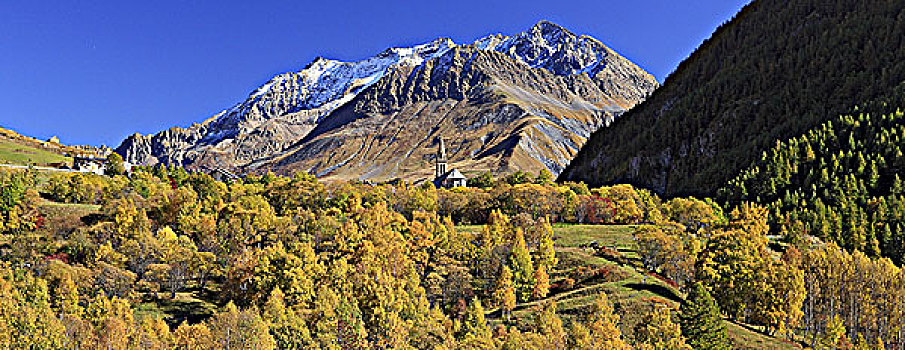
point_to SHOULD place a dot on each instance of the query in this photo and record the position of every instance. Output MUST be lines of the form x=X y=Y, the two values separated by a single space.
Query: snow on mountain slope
x=280 y=113
x=323 y=85
x=549 y=46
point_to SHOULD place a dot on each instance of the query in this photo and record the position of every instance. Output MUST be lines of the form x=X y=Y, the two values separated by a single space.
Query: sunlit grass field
x=14 y=153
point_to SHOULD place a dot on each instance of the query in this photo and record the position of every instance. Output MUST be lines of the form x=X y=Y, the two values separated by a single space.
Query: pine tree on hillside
x=700 y=319
x=505 y=293
x=603 y=325
x=522 y=267
x=475 y=324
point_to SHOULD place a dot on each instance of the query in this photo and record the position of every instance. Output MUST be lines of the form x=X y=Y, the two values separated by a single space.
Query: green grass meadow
x=14 y=153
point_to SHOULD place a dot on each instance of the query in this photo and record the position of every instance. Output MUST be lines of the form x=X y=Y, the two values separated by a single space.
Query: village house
x=89 y=164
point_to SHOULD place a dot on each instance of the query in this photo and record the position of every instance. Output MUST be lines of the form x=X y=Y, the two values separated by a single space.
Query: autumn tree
x=26 y=318
x=337 y=321
x=541 y=283
x=522 y=267
x=603 y=325
x=232 y=328
x=546 y=253
x=743 y=276
x=66 y=296
x=115 y=164
x=286 y=325
x=548 y=324
x=505 y=293
x=834 y=336
x=657 y=331
x=475 y=325
x=193 y=337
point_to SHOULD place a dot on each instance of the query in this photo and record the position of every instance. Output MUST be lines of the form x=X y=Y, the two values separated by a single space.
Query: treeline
x=517 y=194
x=841 y=182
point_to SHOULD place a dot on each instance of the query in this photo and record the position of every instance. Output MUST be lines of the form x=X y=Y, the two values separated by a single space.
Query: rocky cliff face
x=503 y=103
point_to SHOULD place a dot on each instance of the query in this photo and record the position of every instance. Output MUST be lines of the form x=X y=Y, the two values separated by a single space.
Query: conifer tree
x=475 y=324
x=548 y=324
x=603 y=325
x=505 y=293
x=522 y=268
x=546 y=254
x=541 y=283
x=898 y=187
x=701 y=321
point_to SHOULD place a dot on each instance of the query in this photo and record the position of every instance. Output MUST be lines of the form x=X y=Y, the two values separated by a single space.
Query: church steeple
x=441 y=160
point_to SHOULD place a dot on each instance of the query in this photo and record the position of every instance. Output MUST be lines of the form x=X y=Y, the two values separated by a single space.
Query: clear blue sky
x=93 y=72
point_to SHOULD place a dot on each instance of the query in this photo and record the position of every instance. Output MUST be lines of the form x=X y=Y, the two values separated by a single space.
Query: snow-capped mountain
x=549 y=46
x=290 y=110
x=326 y=84
x=313 y=92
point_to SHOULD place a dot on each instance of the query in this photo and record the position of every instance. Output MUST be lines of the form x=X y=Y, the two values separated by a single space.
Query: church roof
x=454 y=174
x=451 y=175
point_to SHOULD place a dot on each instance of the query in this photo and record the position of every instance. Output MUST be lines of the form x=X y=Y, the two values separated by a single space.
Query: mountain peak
x=548 y=27
x=550 y=46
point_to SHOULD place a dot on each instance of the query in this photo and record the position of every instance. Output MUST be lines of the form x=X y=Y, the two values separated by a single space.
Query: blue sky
x=93 y=72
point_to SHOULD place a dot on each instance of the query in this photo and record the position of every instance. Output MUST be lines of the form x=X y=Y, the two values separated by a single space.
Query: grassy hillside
x=628 y=286
x=778 y=69
x=17 y=153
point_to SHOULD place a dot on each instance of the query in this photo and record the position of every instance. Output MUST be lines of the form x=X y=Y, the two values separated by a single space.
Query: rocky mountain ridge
x=306 y=120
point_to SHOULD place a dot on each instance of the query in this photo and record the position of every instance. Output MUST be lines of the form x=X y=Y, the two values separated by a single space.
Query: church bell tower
x=441 y=160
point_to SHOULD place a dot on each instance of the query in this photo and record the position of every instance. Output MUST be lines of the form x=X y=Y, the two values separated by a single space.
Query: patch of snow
x=546 y=45
x=323 y=85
